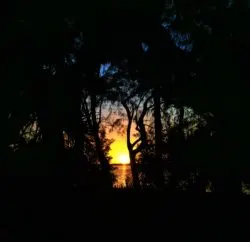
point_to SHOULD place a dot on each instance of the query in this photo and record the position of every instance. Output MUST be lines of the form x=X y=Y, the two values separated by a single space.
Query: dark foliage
x=191 y=55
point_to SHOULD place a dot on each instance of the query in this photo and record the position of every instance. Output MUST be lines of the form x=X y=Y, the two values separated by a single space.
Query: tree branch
x=135 y=142
x=100 y=112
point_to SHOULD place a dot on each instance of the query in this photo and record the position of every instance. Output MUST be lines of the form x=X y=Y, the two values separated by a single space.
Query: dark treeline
x=177 y=69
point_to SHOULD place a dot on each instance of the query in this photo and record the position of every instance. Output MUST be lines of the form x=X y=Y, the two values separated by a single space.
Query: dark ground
x=49 y=213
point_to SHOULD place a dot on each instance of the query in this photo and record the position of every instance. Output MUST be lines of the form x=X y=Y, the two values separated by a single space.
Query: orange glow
x=119 y=151
x=124 y=159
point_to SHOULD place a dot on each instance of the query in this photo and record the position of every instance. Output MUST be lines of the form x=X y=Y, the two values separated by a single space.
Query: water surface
x=123 y=175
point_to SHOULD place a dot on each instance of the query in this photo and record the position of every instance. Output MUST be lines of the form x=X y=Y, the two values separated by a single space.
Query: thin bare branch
x=136 y=142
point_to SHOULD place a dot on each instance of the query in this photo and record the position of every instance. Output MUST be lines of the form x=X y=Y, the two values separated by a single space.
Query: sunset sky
x=119 y=151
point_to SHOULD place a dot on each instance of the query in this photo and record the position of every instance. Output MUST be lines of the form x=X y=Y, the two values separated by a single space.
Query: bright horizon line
x=122 y=164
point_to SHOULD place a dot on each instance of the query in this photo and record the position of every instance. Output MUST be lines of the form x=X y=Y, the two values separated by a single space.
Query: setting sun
x=119 y=151
x=124 y=159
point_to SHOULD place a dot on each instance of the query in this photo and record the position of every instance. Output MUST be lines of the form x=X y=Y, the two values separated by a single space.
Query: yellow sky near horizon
x=119 y=151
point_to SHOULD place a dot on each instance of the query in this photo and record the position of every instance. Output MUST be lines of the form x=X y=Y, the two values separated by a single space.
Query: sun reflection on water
x=123 y=175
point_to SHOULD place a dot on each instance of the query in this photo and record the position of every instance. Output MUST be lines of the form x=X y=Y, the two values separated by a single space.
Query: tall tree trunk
x=158 y=138
x=177 y=167
x=181 y=117
x=231 y=159
x=231 y=102
x=50 y=115
x=99 y=150
x=133 y=165
x=134 y=170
